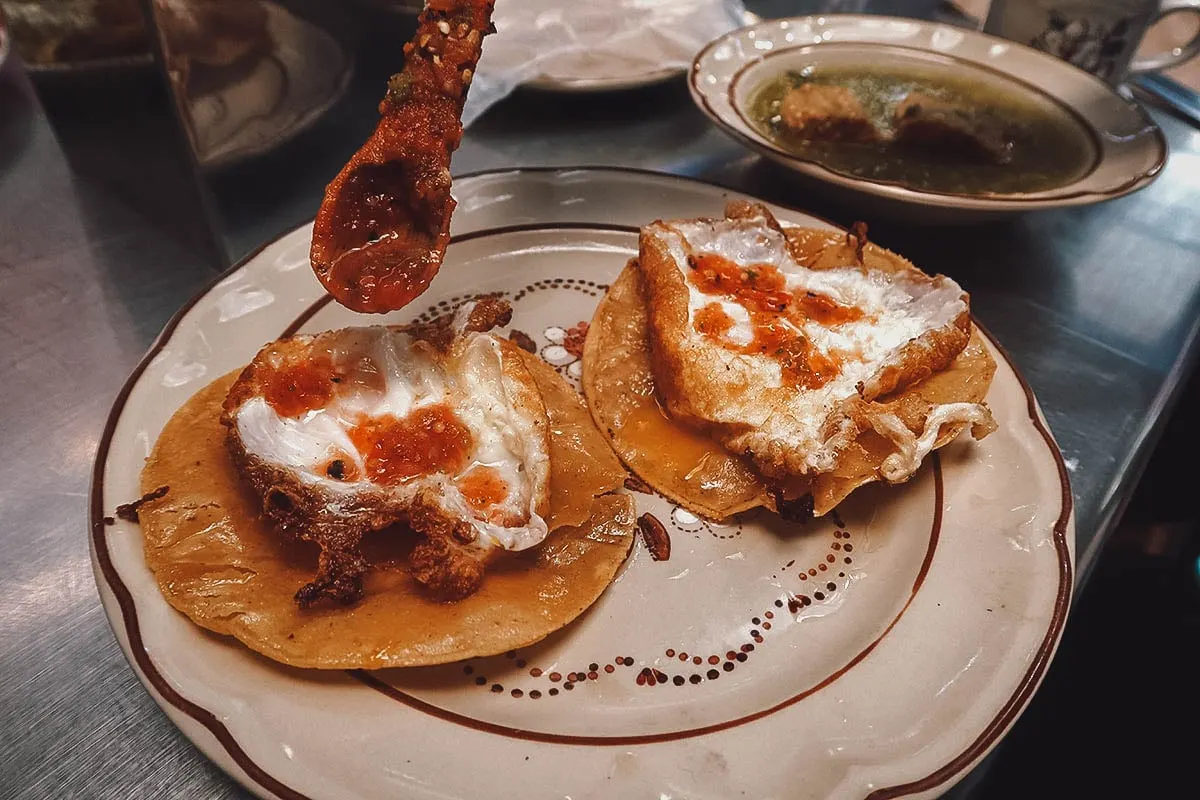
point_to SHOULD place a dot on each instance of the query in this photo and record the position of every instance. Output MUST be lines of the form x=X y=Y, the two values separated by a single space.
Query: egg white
x=505 y=436
x=896 y=310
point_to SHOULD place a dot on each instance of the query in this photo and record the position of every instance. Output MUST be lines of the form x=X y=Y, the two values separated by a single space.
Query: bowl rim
x=1066 y=195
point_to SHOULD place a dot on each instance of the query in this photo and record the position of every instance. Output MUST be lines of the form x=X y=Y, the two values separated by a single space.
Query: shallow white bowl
x=1129 y=149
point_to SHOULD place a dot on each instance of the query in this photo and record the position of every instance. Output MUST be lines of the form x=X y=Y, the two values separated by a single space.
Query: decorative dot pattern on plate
x=658 y=671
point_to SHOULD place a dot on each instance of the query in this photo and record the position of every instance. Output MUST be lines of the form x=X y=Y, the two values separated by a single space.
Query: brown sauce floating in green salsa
x=965 y=136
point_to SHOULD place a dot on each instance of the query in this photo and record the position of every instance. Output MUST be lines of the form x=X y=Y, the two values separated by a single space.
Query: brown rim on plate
x=303 y=121
x=121 y=592
x=112 y=579
x=900 y=192
x=1062 y=601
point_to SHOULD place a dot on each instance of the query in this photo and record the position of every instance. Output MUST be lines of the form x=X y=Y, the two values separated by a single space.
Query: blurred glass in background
x=221 y=120
x=54 y=34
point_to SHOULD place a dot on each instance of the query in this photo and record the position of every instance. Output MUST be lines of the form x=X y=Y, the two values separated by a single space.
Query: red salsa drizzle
x=821 y=310
x=757 y=288
x=712 y=321
x=430 y=439
x=294 y=389
x=482 y=487
x=309 y=384
x=762 y=290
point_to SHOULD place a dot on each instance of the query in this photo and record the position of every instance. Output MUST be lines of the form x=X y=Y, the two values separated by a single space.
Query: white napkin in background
x=599 y=38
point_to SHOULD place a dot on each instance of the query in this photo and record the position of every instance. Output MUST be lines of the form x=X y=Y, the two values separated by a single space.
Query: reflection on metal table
x=1099 y=307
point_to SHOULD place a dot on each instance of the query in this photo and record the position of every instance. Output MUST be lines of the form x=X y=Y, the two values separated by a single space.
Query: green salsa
x=1049 y=147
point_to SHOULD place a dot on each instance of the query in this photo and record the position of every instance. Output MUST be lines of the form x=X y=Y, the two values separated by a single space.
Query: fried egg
x=374 y=412
x=780 y=361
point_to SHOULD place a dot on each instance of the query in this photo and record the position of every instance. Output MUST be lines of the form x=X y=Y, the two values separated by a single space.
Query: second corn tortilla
x=694 y=470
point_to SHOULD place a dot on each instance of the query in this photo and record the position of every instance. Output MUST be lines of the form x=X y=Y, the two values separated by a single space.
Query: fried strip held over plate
x=384 y=224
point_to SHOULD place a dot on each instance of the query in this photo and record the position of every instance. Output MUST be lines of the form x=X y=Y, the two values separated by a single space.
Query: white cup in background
x=1099 y=36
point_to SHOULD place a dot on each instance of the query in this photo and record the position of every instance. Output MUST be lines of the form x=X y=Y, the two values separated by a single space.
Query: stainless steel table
x=1099 y=307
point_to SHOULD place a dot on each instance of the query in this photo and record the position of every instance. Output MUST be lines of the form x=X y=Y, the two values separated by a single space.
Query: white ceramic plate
x=286 y=92
x=589 y=73
x=627 y=44
x=1130 y=150
x=924 y=617
x=582 y=73
x=70 y=19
